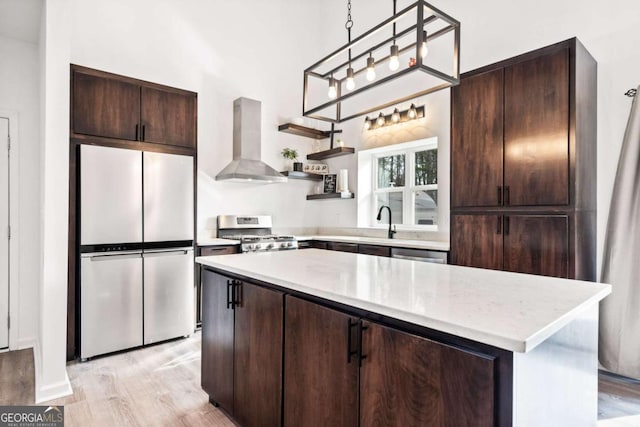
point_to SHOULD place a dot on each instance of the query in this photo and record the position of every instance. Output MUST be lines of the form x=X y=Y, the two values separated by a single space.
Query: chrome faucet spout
x=391 y=232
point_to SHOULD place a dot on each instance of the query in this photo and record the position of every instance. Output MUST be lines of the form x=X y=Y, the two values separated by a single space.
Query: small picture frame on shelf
x=330 y=183
x=319 y=168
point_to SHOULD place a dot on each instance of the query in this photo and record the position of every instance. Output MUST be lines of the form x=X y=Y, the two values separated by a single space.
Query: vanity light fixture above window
x=394 y=118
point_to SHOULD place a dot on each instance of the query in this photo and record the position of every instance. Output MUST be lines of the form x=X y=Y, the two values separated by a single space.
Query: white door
x=4 y=232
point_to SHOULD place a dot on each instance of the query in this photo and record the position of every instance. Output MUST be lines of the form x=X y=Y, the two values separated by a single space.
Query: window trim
x=408 y=191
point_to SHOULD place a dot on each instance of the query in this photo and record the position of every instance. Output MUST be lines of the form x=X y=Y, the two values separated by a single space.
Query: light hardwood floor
x=154 y=386
x=160 y=386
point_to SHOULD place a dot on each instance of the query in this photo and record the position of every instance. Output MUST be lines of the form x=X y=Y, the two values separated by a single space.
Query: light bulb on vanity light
x=394 y=61
x=395 y=117
x=351 y=84
x=380 y=121
x=413 y=113
x=371 y=68
x=367 y=123
x=424 y=50
x=333 y=92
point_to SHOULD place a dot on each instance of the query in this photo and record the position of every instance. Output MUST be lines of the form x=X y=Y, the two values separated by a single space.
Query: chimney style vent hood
x=246 y=165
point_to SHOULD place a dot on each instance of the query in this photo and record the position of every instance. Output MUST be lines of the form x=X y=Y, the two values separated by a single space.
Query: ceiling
x=20 y=19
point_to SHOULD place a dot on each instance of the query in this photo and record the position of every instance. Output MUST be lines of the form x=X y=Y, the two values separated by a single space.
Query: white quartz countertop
x=512 y=311
x=212 y=241
x=400 y=243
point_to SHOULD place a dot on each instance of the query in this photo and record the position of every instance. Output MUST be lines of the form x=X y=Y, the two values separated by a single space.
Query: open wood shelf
x=302 y=175
x=328 y=196
x=334 y=152
x=304 y=131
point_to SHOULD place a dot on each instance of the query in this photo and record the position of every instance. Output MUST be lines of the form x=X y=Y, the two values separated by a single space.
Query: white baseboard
x=53 y=391
x=28 y=342
x=46 y=392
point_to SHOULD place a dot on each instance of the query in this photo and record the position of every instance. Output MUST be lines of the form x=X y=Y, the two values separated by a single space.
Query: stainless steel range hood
x=246 y=165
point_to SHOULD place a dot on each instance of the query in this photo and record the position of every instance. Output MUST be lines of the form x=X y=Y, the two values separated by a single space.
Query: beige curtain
x=620 y=311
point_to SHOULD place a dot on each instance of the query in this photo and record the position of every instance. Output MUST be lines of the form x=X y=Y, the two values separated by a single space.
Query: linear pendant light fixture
x=413 y=53
x=397 y=117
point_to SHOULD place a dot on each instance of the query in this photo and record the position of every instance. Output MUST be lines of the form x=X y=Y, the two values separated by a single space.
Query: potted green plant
x=292 y=154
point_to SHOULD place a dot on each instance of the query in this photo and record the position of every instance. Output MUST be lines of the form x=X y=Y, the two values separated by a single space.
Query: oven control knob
x=284 y=245
x=270 y=246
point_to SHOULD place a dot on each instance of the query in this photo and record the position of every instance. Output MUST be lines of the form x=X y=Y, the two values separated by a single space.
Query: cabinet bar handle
x=237 y=294
x=499 y=225
x=350 y=352
x=137 y=132
x=230 y=294
x=507 y=194
x=143 y=129
x=499 y=194
x=506 y=225
x=361 y=328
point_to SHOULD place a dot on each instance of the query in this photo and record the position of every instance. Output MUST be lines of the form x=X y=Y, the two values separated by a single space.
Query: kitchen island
x=331 y=338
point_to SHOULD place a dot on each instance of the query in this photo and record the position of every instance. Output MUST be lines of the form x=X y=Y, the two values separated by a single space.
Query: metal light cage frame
x=419 y=7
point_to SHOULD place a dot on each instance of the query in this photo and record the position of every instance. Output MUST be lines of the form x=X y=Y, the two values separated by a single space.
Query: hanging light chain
x=348 y=25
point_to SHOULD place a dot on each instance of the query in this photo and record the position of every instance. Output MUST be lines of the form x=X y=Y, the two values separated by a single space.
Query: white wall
x=51 y=375
x=19 y=94
x=499 y=29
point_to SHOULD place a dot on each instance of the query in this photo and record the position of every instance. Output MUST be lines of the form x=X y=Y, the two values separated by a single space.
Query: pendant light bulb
x=333 y=92
x=394 y=61
x=424 y=50
x=371 y=68
x=351 y=83
x=380 y=120
x=395 y=117
x=412 y=112
x=367 y=123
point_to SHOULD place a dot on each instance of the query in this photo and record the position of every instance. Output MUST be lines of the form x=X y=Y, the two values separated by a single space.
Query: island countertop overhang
x=512 y=311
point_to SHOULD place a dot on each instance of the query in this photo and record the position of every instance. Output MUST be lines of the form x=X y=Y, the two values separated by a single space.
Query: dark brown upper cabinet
x=105 y=107
x=477 y=140
x=523 y=145
x=536 y=131
x=109 y=106
x=168 y=117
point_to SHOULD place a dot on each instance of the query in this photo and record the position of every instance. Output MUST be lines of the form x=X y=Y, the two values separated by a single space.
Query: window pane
x=427 y=167
x=426 y=207
x=391 y=171
x=394 y=201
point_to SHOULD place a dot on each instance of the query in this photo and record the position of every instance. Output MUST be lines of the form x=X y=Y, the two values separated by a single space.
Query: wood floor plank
x=17 y=377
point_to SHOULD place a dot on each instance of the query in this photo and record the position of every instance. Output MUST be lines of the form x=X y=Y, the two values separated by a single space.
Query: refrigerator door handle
x=112 y=257
x=165 y=253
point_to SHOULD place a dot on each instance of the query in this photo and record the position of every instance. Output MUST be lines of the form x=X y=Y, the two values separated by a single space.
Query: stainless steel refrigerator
x=136 y=248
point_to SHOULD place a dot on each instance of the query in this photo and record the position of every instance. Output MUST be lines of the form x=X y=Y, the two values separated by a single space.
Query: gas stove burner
x=254 y=233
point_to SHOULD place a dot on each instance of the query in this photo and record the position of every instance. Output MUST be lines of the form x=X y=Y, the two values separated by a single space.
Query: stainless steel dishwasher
x=423 y=255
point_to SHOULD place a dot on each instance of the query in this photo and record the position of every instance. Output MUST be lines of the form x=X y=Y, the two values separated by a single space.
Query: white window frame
x=408 y=191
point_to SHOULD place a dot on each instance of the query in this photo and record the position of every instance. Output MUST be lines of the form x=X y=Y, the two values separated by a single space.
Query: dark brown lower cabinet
x=406 y=380
x=476 y=241
x=374 y=250
x=533 y=244
x=320 y=383
x=217 y=340
x=343 y=247
x=537 y=244
x=242 y=349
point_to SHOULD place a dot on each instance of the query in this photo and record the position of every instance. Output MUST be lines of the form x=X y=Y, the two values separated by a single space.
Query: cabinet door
x=374 y=250
x=537 y=244
x=476 y=241
x=320 y=381
x=258 y=356
x=476 y=141
x=217 y=340
x=536 y=131
x=168 y=117
x=406 y=380
x=343 y=247
x=105 y=107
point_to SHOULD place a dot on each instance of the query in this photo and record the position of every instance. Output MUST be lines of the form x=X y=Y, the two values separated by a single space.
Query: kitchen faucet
x=391 y=232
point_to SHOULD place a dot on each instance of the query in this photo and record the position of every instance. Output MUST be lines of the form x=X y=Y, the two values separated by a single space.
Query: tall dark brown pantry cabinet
x=523 y=164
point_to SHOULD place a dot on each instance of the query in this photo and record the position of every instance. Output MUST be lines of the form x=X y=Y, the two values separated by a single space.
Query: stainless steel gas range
x=254 y=233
